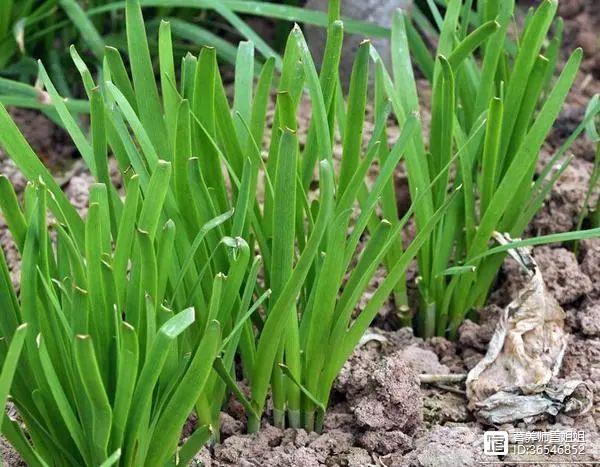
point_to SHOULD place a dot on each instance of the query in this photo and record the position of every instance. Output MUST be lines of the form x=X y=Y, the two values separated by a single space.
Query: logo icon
x=495 y=443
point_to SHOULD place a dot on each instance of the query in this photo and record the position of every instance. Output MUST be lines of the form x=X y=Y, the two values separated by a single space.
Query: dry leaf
x=517 y=378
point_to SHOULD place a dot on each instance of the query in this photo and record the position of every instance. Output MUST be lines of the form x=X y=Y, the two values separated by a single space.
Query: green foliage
x=131 y=308
x=114 y=362
x=14 y=18
x=589 y=211
x=10 y=356
x=42 y=29
x=127 y=307
x=320 y=255
x=163 y=248
x=494 y=112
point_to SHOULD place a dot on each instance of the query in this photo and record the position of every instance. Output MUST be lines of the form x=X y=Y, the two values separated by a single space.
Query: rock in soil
x=477 y=335
x=386 y=442
x=442 y=407
x=423 y=360
x=378 y=12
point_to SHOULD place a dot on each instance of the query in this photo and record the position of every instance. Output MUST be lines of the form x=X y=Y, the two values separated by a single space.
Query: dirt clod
x=272 y=447
x=590 y=264
x=582 y=359
x=442 y=407
x=392 y=399
x=476 y=336
x=385 y=442
x=589 y=320
x=562 y=274
x=447 y=446
x=422 y=360
x=566 y=199
x=229 y=425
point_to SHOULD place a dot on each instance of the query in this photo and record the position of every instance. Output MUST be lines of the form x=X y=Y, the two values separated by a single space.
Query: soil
x=380 y=414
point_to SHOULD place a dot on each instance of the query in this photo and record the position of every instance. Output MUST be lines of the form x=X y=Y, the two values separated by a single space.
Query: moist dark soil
x=380 y=414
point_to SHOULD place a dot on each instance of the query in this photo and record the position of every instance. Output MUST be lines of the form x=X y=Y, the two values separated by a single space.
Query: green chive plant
x=499 y=104
x=589 y=211
x=13 y=20
x=315 y=265
x=318 y=255
x=129 y=308
x=114 y=362
x=32 y=29
x=191 y=165
x=103 y=378
x=11 y=352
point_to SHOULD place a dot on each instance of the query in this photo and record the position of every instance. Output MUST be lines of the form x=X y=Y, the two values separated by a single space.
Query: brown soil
x=9 y=455
x=381 y=416
x=55 y=149
x=51 y=144
x=582 y=20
